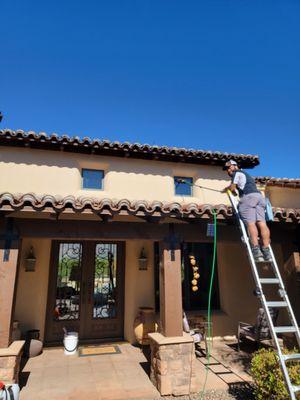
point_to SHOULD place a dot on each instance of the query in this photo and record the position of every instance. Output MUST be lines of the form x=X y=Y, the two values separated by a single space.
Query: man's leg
x=264 y=233
x=253 y=233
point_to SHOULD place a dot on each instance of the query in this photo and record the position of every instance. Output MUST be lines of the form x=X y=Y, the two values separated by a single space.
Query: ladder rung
x=284 y=329
x=291 y=357
x=276 y=303
x=296 y=388
x=269 y=280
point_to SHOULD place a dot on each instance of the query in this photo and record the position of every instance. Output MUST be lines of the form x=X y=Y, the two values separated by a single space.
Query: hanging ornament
x=196 y=275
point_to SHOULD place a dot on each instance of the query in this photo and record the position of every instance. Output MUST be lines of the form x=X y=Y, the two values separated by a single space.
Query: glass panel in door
x=105 y=281
x=68 y=282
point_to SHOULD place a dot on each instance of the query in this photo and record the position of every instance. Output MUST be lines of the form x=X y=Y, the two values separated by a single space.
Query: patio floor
x=125 y=376
x=52 y=375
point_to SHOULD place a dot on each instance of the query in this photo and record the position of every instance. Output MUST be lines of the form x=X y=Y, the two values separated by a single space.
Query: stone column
x=173 y=360
x=174 y=368
x=8 y=273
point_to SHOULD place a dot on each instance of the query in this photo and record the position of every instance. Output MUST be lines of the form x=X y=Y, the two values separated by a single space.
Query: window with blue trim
x=92 y=179
x=183 y=186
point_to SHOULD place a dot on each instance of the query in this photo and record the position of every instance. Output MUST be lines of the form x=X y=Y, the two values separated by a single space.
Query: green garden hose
x=209 y=301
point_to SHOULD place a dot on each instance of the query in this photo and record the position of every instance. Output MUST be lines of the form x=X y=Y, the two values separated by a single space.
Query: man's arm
x=232 y=187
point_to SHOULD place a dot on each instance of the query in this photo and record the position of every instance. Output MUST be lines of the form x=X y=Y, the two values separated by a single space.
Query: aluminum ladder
x=285 y=303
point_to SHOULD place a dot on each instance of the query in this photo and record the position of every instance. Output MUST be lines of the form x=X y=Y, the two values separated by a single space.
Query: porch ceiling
x=107 y=208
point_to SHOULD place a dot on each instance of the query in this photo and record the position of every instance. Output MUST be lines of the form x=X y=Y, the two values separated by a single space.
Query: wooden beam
x=170 y=288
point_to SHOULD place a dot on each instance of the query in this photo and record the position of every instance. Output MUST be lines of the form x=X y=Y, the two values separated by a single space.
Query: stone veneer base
x=173 y=364
x=10 y=358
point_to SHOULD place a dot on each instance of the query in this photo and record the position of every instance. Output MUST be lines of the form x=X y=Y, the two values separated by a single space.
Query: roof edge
x=86 y=145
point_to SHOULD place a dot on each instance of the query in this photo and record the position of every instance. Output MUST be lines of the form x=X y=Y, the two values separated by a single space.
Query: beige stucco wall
x=139 y=285
x=284 y=197
x=32 y=287
x=59 y=173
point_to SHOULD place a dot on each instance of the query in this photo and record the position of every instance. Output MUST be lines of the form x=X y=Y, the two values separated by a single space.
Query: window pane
x=92 y=179
x=183 y=189
x=68 y=281
x=105 y=280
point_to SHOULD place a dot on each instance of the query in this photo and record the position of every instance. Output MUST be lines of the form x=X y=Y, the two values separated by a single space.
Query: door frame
x=121 y=249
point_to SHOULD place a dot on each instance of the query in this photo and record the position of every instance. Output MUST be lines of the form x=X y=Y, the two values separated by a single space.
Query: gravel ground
x=234 y=393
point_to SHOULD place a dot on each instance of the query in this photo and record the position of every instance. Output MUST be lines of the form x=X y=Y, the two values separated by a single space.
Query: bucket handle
x=71 y=351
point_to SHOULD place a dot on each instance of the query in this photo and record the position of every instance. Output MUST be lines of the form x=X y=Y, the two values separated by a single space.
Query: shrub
x=267 y=375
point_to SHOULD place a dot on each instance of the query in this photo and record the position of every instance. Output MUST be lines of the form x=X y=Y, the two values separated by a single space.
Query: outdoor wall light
x=143 y=260
x=30 y=261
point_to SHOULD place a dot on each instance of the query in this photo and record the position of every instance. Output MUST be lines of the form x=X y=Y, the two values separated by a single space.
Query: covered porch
x=50 y=226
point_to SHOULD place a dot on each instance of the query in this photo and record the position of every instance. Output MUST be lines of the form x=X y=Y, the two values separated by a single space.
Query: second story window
x=183 y=186
x=92 y=179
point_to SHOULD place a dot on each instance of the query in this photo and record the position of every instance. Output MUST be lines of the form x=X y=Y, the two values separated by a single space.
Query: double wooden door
x=86 y=290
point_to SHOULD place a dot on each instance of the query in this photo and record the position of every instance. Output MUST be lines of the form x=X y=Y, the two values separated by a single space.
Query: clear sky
x=206 y=74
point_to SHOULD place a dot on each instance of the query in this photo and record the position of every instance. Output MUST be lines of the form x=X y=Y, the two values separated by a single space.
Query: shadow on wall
x=61 y=159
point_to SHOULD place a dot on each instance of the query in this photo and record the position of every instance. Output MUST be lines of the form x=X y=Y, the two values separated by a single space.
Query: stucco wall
x=32 y=287
x=59 y=173
x=284 y=197
x=139 y=285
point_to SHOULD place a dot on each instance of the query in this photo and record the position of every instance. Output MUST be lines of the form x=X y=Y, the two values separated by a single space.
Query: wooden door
x=86 y=290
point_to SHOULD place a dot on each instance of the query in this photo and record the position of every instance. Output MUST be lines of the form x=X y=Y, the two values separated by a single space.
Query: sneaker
x=257 y=254
x=266 y=254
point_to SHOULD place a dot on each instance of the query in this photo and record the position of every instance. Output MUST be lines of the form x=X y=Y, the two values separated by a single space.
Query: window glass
x=92 y=179
x=183 y=185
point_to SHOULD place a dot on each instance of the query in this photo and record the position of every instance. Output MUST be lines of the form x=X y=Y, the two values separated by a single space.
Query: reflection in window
x=68 y=282
x=92 y=179
x=105 y=281
x=183 y=186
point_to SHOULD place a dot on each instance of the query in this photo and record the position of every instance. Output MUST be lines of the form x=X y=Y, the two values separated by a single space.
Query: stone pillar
x=170 y=288
x=173 y=365
x=8 y=273
x=10 y=359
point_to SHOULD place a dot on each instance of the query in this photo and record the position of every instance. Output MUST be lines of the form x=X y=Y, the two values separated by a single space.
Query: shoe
x=257 y=254
x=266 y=254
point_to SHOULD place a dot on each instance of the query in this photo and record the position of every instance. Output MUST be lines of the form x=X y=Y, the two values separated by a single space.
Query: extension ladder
x=285 y=303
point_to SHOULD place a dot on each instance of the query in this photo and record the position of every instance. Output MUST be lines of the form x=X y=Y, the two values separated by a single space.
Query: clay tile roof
x=86 y=145
x=18 y=202
x=282 y=182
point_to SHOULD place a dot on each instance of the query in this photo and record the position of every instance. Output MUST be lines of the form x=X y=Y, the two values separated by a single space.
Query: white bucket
x=71 y=343
x=10 y=392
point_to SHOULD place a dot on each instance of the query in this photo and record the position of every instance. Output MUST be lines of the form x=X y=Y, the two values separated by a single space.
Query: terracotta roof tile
x=87 y=145
x=10 y=202
x=282 y=182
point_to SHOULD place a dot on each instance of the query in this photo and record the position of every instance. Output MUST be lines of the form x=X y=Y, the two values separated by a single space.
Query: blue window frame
x=92 y=179
x=183 y=185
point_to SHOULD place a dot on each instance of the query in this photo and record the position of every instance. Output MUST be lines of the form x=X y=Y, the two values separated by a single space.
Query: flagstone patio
x=125 y=376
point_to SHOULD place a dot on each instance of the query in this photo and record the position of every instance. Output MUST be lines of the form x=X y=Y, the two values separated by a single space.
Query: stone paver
x=52 y=375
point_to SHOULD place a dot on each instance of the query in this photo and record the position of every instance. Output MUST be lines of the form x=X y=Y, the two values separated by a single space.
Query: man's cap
x=229 y=163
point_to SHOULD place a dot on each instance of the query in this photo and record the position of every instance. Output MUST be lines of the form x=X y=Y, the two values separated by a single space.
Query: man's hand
x=231 y=187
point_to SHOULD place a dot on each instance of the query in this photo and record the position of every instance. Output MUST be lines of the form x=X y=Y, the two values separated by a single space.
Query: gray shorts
x=252 y=207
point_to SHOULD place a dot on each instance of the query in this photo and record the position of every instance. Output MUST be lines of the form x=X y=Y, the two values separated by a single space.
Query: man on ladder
x=251 y=208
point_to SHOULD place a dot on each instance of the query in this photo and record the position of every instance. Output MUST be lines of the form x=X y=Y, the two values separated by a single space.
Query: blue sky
x=206 y=74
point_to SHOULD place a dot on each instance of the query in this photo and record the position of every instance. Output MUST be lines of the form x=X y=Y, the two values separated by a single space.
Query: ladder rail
x=292 y=389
